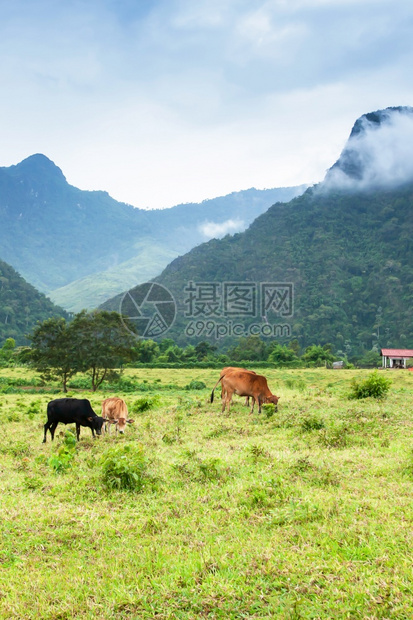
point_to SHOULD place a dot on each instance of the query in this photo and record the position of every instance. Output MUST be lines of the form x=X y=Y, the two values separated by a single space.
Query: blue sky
x=162 y=102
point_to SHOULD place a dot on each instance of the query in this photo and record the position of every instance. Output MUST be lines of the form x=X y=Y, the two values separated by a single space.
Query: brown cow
x=246 y=384
x=115 y=411
x=227 y=370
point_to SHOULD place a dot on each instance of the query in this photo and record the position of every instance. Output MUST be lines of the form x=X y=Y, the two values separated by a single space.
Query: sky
x=162 y=102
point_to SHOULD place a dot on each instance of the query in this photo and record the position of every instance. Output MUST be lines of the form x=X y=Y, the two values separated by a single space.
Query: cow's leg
x=223 y=399
x=227 y=400
x=77 y=431
x=46 y=427
x=247 y=401
x=52 y=428
x=253 y=403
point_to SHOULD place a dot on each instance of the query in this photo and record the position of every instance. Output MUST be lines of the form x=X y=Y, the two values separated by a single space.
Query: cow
x=72 y=411
x=227 y=370
x=115 y=411
x=246 y=384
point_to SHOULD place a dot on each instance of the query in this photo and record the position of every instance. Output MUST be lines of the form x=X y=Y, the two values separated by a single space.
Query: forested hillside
x=349 y=257
x=81 y=247
x=21 y=306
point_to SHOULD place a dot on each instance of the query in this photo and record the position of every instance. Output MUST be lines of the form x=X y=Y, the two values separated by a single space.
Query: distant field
x=304 y=514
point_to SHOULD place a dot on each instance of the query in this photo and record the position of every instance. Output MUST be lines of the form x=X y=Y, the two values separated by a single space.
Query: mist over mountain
x=345 y=247
x=378 y=154
x=81 y=247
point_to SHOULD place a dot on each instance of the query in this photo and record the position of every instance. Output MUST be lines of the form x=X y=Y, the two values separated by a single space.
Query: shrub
x=268 y=409
x=62 y=459
x=195 y=385
x=312 y=423
x=125 y=467
x=375 y=386
x=33 y=409
x=144 y=404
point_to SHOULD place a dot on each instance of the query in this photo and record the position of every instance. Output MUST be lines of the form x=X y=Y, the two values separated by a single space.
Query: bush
x=144 y=404
x=63 y=457
x=312 y=423
x=125 y=467
x=268 y=409
x=375 y=386
x=195 y=385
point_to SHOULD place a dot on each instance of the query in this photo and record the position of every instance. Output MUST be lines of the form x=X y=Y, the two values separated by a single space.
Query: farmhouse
x=396 y=358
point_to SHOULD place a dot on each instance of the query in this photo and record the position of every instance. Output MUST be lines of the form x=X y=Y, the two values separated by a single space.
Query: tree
x=249 y=348
x=371 y=359
x=53 y=350
x=102 y=343
x=7 y=351
x=316 y=355
x=203 y=350
x=282 y=355
x=148 y=351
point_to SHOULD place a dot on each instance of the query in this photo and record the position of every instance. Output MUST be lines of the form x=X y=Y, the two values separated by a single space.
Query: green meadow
x=302 y=513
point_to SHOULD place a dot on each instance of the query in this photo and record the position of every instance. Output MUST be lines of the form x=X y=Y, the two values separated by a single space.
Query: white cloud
x=379 y=155
x=220 y=229
x=167 y=101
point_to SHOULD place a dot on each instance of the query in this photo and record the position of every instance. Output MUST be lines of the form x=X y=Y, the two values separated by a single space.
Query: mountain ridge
x=347 y=250
x=56 y=235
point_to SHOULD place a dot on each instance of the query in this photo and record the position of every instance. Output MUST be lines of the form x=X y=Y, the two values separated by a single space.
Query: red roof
x=397 y=352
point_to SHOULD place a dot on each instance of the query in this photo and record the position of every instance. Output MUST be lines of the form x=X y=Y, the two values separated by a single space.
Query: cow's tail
x=213 y=389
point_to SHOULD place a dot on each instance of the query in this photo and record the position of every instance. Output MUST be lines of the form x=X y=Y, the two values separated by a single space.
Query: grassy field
x=307 y=513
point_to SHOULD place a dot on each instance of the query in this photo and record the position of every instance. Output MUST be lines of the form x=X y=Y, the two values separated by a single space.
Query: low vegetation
x=304 y=512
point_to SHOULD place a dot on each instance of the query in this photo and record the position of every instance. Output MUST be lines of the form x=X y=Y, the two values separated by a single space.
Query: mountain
x=80 y=247
x=334 y=265
x=21 y=306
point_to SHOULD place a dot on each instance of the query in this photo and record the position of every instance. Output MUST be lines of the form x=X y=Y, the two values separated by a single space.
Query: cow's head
x=97 y=423
x=120 y=424
x=273 y=399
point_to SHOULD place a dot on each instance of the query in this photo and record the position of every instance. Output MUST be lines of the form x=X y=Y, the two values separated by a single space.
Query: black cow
x=72 y=411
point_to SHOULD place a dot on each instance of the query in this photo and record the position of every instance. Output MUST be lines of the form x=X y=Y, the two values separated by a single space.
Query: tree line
x=98 y=344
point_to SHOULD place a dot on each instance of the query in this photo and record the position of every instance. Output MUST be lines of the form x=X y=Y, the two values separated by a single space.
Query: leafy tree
x=7 y=351
x=249 y=348
x=54 y=350
x=165 y=344
x=282 y=355
x=204 y=350
x=148 y=351
x=102 y=343
x=371 y=359
x=317 y=355
x=173 y=354
x=189 y=353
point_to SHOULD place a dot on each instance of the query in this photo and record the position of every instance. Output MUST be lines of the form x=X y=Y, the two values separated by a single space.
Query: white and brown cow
x=115 y=411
